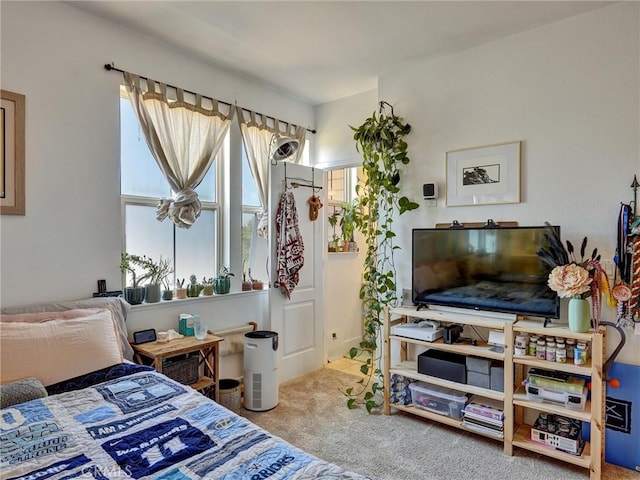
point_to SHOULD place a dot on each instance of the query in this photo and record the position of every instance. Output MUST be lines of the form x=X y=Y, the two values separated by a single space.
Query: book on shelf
x=482 y=429
x=483 y=420
x=485 y=407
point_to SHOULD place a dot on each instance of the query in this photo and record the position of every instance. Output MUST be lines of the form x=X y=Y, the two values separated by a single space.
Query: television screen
x=493 y=269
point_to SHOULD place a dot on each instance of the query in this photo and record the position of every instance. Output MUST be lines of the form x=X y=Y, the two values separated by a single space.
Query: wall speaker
x=430 y=191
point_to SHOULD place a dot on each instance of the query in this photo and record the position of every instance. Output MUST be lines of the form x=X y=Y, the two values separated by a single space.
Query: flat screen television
x=492 y=269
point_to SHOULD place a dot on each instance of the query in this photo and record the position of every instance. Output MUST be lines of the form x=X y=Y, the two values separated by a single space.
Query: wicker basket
x=184 y=370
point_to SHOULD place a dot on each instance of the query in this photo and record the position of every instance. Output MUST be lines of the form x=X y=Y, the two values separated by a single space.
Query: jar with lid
x=571 y=344
x=532 y=348
x=550 y=353
x=541 y=349
x=561 y=353
x=579 y=356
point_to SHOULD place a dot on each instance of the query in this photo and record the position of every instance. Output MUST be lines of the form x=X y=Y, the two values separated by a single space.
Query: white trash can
x=260 y=370
x=230 y=394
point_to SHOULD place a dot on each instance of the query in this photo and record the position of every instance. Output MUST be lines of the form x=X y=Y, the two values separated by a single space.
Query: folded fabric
x=21 y=391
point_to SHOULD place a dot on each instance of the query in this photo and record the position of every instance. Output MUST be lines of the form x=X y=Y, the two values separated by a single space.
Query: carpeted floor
x=312 y=415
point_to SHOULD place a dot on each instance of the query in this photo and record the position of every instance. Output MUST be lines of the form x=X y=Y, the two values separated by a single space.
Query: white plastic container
x=438 y=399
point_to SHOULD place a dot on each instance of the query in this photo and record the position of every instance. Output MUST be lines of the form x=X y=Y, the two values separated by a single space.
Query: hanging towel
x=290 y=247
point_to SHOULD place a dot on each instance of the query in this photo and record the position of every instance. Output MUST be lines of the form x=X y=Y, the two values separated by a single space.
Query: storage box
x=497 y=377
x=438 y=399
x=183 y=370
x=446 y=365
x=478 y=379
x=479 y=365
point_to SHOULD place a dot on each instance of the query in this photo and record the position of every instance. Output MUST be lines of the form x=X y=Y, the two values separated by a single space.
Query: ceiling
x=319 y=51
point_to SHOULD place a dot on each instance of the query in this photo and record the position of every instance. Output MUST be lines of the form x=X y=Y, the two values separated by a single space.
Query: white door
x=298 y=320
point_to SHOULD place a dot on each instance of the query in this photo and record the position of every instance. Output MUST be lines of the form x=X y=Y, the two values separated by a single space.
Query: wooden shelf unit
x=408 y=369
x=516 y=432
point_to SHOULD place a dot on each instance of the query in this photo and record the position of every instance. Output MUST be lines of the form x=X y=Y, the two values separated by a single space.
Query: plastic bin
x=438 y=399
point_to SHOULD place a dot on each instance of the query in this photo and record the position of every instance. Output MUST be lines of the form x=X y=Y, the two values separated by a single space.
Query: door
x=298 y=320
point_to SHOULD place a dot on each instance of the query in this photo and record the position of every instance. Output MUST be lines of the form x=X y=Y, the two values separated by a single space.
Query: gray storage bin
x=479 y=365
x=478 y=379
x=497 y=377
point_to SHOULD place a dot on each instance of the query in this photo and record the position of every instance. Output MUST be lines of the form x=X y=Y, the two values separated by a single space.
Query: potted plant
x=207 y=286
x=181 y=291
x=167 y=291
x=133 y=293
x=246 y=284
x=333 y=221
x=158 y=272
x=348 y=226
x=255 y=283
x=222 y=283
x=380 y=140
x=194 y=288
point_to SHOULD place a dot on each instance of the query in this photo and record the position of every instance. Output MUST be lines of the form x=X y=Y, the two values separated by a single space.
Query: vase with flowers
x=575 y=279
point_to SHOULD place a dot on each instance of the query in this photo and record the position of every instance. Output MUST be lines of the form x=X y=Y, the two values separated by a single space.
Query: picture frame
x=484 y=175
x=12 y=153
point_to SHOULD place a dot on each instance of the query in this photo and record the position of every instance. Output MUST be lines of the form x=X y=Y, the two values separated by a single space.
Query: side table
x=208 y=349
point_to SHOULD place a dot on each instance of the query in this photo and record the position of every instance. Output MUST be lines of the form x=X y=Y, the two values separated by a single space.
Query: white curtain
x=184 y=139
x=257 y=138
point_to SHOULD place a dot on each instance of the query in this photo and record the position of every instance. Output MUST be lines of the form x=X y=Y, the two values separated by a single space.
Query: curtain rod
x=110 y=67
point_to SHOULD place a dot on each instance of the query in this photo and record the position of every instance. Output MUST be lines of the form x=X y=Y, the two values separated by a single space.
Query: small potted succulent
x=207 y=286
x=246 y=284
x=194 y=288
x=222 y=283
x=181 y=291
x=255 y=283
x=167 y=291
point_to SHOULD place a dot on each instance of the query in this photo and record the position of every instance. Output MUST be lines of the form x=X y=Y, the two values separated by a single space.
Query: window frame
x=220 y=162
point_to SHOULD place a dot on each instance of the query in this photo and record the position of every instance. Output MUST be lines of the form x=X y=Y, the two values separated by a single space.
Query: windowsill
x=203 y=299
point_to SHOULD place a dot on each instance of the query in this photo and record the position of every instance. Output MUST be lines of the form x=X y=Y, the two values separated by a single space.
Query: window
x=254 y=248
x=194 y=250
x=341 y=188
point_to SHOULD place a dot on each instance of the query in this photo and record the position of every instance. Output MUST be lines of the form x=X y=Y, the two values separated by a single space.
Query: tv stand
x=517 y=407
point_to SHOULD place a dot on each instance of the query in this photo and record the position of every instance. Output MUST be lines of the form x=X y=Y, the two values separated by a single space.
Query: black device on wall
x=430 y=191
x=493 y=269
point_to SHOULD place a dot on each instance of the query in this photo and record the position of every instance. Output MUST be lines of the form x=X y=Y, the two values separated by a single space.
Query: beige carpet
x=312 y=415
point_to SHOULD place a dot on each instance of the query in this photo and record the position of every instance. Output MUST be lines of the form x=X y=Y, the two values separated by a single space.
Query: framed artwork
x=484 y=175
x=12 y=195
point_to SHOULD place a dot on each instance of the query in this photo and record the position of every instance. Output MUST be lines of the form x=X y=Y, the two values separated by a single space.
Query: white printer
x=425 y=330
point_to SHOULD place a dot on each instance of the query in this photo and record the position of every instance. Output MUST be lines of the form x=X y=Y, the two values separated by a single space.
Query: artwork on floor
x=484 y=175
x=12 y=136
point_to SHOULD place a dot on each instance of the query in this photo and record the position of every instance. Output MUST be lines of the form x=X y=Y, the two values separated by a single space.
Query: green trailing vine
x=380 y=141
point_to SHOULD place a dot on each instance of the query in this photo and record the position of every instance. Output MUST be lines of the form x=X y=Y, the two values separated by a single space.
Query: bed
x=67 y=413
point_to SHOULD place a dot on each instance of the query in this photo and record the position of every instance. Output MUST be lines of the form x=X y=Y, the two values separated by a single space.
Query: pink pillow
x=37 y=317
x=59 y=349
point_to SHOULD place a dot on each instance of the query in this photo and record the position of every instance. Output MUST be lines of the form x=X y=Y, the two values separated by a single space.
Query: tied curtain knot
x=183 y=209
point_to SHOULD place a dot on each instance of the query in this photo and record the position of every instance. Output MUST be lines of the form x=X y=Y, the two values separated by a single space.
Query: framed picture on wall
x=12 y=195
x=484 y=175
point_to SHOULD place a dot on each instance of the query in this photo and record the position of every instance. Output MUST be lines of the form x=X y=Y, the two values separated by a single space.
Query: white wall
x=569 y=91
x=54 y=54
x=335 y=148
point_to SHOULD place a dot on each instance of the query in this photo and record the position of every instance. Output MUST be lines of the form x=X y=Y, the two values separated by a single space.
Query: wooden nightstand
x=154 y=353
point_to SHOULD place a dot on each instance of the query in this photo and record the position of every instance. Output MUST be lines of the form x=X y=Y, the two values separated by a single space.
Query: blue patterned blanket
x=144 y=425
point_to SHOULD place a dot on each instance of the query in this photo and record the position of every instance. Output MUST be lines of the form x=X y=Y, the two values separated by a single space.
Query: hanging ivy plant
x=380 y=141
